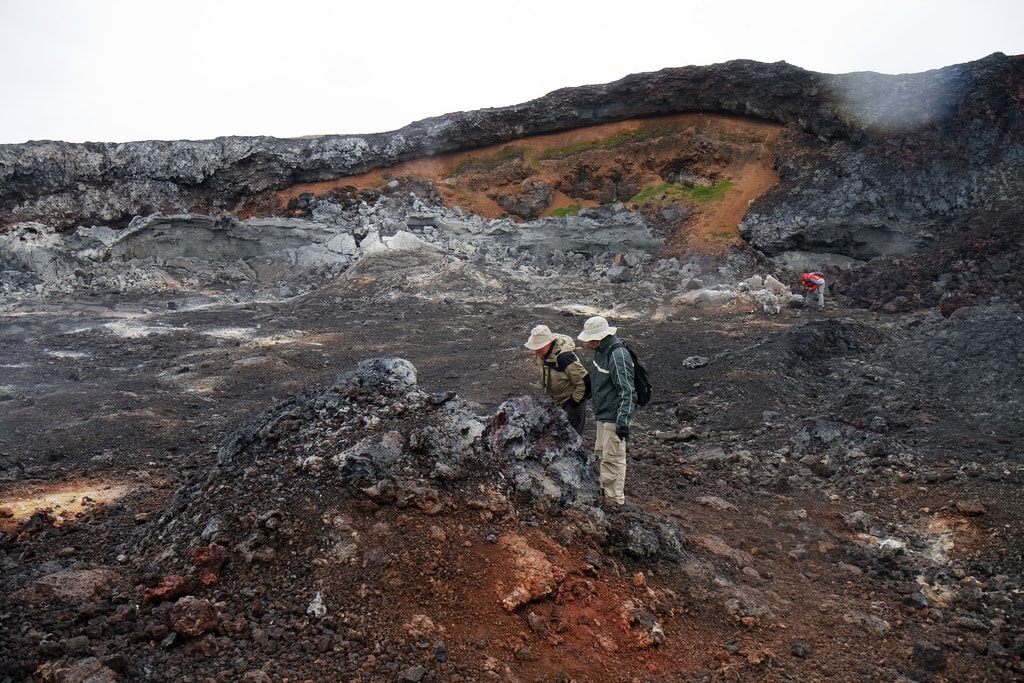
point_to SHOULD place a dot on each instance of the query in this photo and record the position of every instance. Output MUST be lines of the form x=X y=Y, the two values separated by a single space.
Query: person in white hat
x=614 y=402
x=563 y=376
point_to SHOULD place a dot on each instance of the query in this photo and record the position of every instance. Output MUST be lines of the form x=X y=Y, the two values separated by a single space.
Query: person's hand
x=622 y=432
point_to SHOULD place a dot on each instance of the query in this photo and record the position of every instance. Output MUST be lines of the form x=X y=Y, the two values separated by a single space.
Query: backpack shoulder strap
x=562 y=361
x=622 y=345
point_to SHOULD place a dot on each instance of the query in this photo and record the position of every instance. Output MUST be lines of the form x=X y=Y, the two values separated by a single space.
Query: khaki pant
x=611 y=458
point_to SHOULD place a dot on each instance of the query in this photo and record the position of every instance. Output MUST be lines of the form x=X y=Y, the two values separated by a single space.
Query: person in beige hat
x=563 y=376
x=614 y=402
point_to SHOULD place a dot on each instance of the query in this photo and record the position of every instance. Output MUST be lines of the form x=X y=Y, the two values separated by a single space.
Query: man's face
x=543 y=351
x=593 y=343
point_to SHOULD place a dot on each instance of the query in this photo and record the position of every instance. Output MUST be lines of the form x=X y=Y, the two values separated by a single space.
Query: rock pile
x=376 y=438
x=318 y=506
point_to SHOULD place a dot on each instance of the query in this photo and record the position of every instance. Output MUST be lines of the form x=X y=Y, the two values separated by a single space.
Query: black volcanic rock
x=916 y=151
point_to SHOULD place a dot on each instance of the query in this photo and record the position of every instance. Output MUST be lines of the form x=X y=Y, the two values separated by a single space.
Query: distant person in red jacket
x=815 y=282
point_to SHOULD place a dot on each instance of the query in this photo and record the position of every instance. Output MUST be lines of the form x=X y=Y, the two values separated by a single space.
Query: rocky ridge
x=869 y=165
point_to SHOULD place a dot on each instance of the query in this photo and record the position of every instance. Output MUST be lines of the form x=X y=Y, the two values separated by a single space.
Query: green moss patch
x=668 y=193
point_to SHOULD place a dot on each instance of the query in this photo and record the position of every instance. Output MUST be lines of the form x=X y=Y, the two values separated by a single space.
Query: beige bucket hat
x=540 y=336
x=596 y=328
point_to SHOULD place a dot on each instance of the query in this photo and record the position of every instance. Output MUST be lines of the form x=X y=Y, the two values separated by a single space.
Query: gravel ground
x=192 y=491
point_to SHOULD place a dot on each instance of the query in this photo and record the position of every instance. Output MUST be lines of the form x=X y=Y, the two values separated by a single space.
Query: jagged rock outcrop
x=913 y=151
x=194 y=250
x=869 y=164
x=108 y=183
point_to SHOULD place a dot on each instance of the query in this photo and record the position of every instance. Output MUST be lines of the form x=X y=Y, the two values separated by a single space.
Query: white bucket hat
x=595 y=328
x=540 y=336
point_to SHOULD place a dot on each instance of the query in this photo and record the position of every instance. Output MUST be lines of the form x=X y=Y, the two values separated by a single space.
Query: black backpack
x=641 y=382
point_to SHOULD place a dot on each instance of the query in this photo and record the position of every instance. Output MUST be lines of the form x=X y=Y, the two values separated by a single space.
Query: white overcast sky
x=120 y=70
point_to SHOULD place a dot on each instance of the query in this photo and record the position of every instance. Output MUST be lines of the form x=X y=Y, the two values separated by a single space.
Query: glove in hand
x=622 y=432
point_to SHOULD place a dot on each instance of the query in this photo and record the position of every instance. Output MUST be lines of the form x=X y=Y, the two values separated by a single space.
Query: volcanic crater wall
x=869 y=164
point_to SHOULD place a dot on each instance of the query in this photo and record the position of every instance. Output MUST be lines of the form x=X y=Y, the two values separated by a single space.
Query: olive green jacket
x=563 y=376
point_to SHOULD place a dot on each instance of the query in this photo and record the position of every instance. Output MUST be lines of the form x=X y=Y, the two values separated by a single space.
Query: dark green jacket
x=614 y=397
